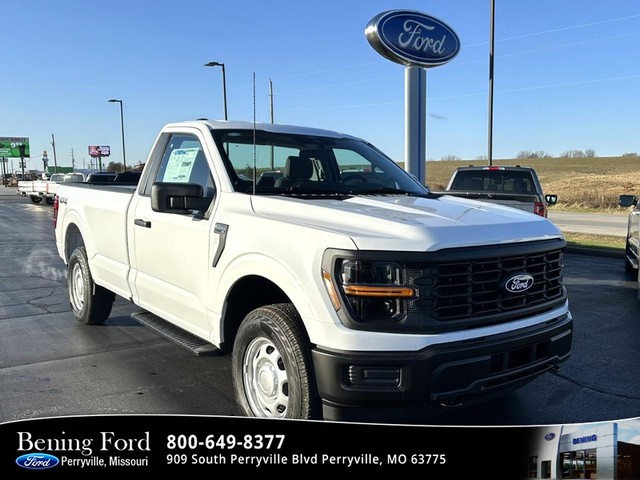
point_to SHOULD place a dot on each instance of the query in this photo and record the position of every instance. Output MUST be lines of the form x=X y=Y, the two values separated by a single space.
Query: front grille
x=459 y=288
x=472 y=291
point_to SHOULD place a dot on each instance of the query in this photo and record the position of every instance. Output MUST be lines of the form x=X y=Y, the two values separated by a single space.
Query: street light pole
x=224 y=84
x=124 y=156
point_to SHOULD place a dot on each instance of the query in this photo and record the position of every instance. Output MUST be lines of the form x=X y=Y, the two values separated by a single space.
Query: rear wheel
x=35 y=199
x=272 y=368
x=91 y=304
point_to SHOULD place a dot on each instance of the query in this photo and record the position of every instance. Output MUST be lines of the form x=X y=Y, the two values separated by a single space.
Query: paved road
x=599 y=224
x=50 y=365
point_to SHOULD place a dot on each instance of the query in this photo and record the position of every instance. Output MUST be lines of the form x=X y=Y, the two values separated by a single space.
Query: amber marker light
x=331 y=290
x=378 y=291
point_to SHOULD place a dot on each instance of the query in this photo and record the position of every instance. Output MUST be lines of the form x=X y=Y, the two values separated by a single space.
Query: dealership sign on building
x=412 y=38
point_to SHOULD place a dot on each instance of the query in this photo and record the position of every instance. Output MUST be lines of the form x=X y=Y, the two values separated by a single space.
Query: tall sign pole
x=418 y=41
x=490 y=123
x=415 y=116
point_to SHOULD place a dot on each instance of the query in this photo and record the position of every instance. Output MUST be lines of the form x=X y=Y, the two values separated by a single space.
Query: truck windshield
x=290 y=164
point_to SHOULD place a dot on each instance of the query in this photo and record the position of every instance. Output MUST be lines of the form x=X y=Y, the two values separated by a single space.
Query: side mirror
x=628 y=200
x=179 y=198
x=551 y=199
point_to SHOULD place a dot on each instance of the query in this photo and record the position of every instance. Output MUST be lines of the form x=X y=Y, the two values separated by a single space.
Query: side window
x=184 y=161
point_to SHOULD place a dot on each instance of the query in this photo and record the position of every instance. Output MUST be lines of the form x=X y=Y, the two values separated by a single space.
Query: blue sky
x=567 y=73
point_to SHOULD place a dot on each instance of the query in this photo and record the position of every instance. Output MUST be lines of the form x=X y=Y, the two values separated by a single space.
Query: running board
x=176 y=334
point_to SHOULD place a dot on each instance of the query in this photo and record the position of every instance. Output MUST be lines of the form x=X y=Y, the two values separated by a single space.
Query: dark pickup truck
x=511 y=186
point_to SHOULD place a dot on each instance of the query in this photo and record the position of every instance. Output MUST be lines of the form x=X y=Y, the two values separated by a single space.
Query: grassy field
x=605 y=242
x=582 y=184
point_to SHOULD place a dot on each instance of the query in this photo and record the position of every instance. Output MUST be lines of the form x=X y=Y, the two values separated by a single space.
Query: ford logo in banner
x=37 y=461
x=518 y=283
x=549 y=436
x=412 y=38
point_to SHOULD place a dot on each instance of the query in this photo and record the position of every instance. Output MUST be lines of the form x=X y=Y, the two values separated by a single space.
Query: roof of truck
x=268 y=127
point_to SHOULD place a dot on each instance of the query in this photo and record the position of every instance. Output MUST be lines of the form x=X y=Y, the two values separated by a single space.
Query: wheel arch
x=247 y=294
x=72 y=239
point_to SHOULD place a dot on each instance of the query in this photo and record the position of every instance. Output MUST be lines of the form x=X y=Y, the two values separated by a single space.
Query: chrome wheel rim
x=265 y=379
x=76 y=287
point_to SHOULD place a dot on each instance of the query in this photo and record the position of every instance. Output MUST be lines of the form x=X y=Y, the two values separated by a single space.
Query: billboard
x=14 y=147
x=96 y=151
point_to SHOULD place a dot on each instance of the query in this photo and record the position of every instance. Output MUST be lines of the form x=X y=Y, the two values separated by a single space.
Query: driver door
x=172 y=251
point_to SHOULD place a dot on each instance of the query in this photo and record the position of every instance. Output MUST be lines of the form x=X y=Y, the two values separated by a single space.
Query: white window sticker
x=180 y=165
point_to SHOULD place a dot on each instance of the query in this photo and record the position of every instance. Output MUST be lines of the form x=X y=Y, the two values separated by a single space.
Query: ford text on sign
x=412 y=38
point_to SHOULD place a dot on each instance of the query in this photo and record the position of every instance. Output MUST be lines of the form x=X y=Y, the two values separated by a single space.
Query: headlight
x=373 y=291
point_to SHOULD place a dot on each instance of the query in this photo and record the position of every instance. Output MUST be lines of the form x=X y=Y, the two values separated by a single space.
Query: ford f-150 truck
x=338 y=282
x=36 y=190
x=511 y=186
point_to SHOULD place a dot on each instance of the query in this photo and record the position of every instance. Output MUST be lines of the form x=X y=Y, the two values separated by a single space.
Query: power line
x=474 y=94
x=555 y=30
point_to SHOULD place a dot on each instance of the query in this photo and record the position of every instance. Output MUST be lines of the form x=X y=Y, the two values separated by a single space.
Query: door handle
x=142 y=223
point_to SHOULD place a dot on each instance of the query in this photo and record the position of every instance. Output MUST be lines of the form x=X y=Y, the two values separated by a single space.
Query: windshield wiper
x=389 y=191
x=313 y=192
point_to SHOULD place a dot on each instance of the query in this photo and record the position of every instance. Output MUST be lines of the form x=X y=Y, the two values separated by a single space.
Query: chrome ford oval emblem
x=549 y=436
x=518 y=283
x=37 y=461
x=412 y=38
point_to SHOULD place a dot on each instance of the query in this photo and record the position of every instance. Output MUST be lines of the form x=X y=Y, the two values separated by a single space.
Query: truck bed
x=101 y=208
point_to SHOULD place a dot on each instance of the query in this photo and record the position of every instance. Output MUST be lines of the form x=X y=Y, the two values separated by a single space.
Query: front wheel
x=35 y=199
x=272 y=367
x=90 y=303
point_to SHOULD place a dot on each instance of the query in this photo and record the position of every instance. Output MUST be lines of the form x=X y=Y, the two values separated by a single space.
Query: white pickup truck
x=38 y=190
x=340 y=285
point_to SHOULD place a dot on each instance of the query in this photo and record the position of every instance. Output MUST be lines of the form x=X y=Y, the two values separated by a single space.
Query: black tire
x=90 y=303
x=36 y=199
x=272 y=367
x=49 y=200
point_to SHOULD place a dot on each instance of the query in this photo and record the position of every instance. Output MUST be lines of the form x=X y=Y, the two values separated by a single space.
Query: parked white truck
x=37 y=190
x=339 y=283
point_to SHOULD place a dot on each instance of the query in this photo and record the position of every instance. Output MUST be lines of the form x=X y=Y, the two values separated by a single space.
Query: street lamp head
x=214 y=64
x=115 y=100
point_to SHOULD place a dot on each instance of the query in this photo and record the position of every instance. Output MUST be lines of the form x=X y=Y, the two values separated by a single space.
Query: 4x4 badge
x=518 y=283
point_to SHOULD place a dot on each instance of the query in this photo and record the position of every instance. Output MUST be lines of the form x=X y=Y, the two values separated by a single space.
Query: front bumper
x=449 y=374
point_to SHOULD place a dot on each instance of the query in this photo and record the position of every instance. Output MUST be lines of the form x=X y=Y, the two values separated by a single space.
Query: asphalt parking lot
x=52 y=366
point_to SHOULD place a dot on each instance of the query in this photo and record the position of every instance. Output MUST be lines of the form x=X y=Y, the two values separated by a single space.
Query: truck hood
x=393 y=222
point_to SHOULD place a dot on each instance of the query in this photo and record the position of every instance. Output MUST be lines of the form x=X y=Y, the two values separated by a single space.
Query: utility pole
x=271 y=100
x=73 y=161
x=53 y=145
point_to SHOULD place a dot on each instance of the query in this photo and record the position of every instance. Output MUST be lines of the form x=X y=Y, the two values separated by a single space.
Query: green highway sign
x=14 y=147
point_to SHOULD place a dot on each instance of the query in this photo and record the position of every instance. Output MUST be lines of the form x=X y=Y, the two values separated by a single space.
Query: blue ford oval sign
x=518 y=283
x=412 y=38
x=37 y=461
